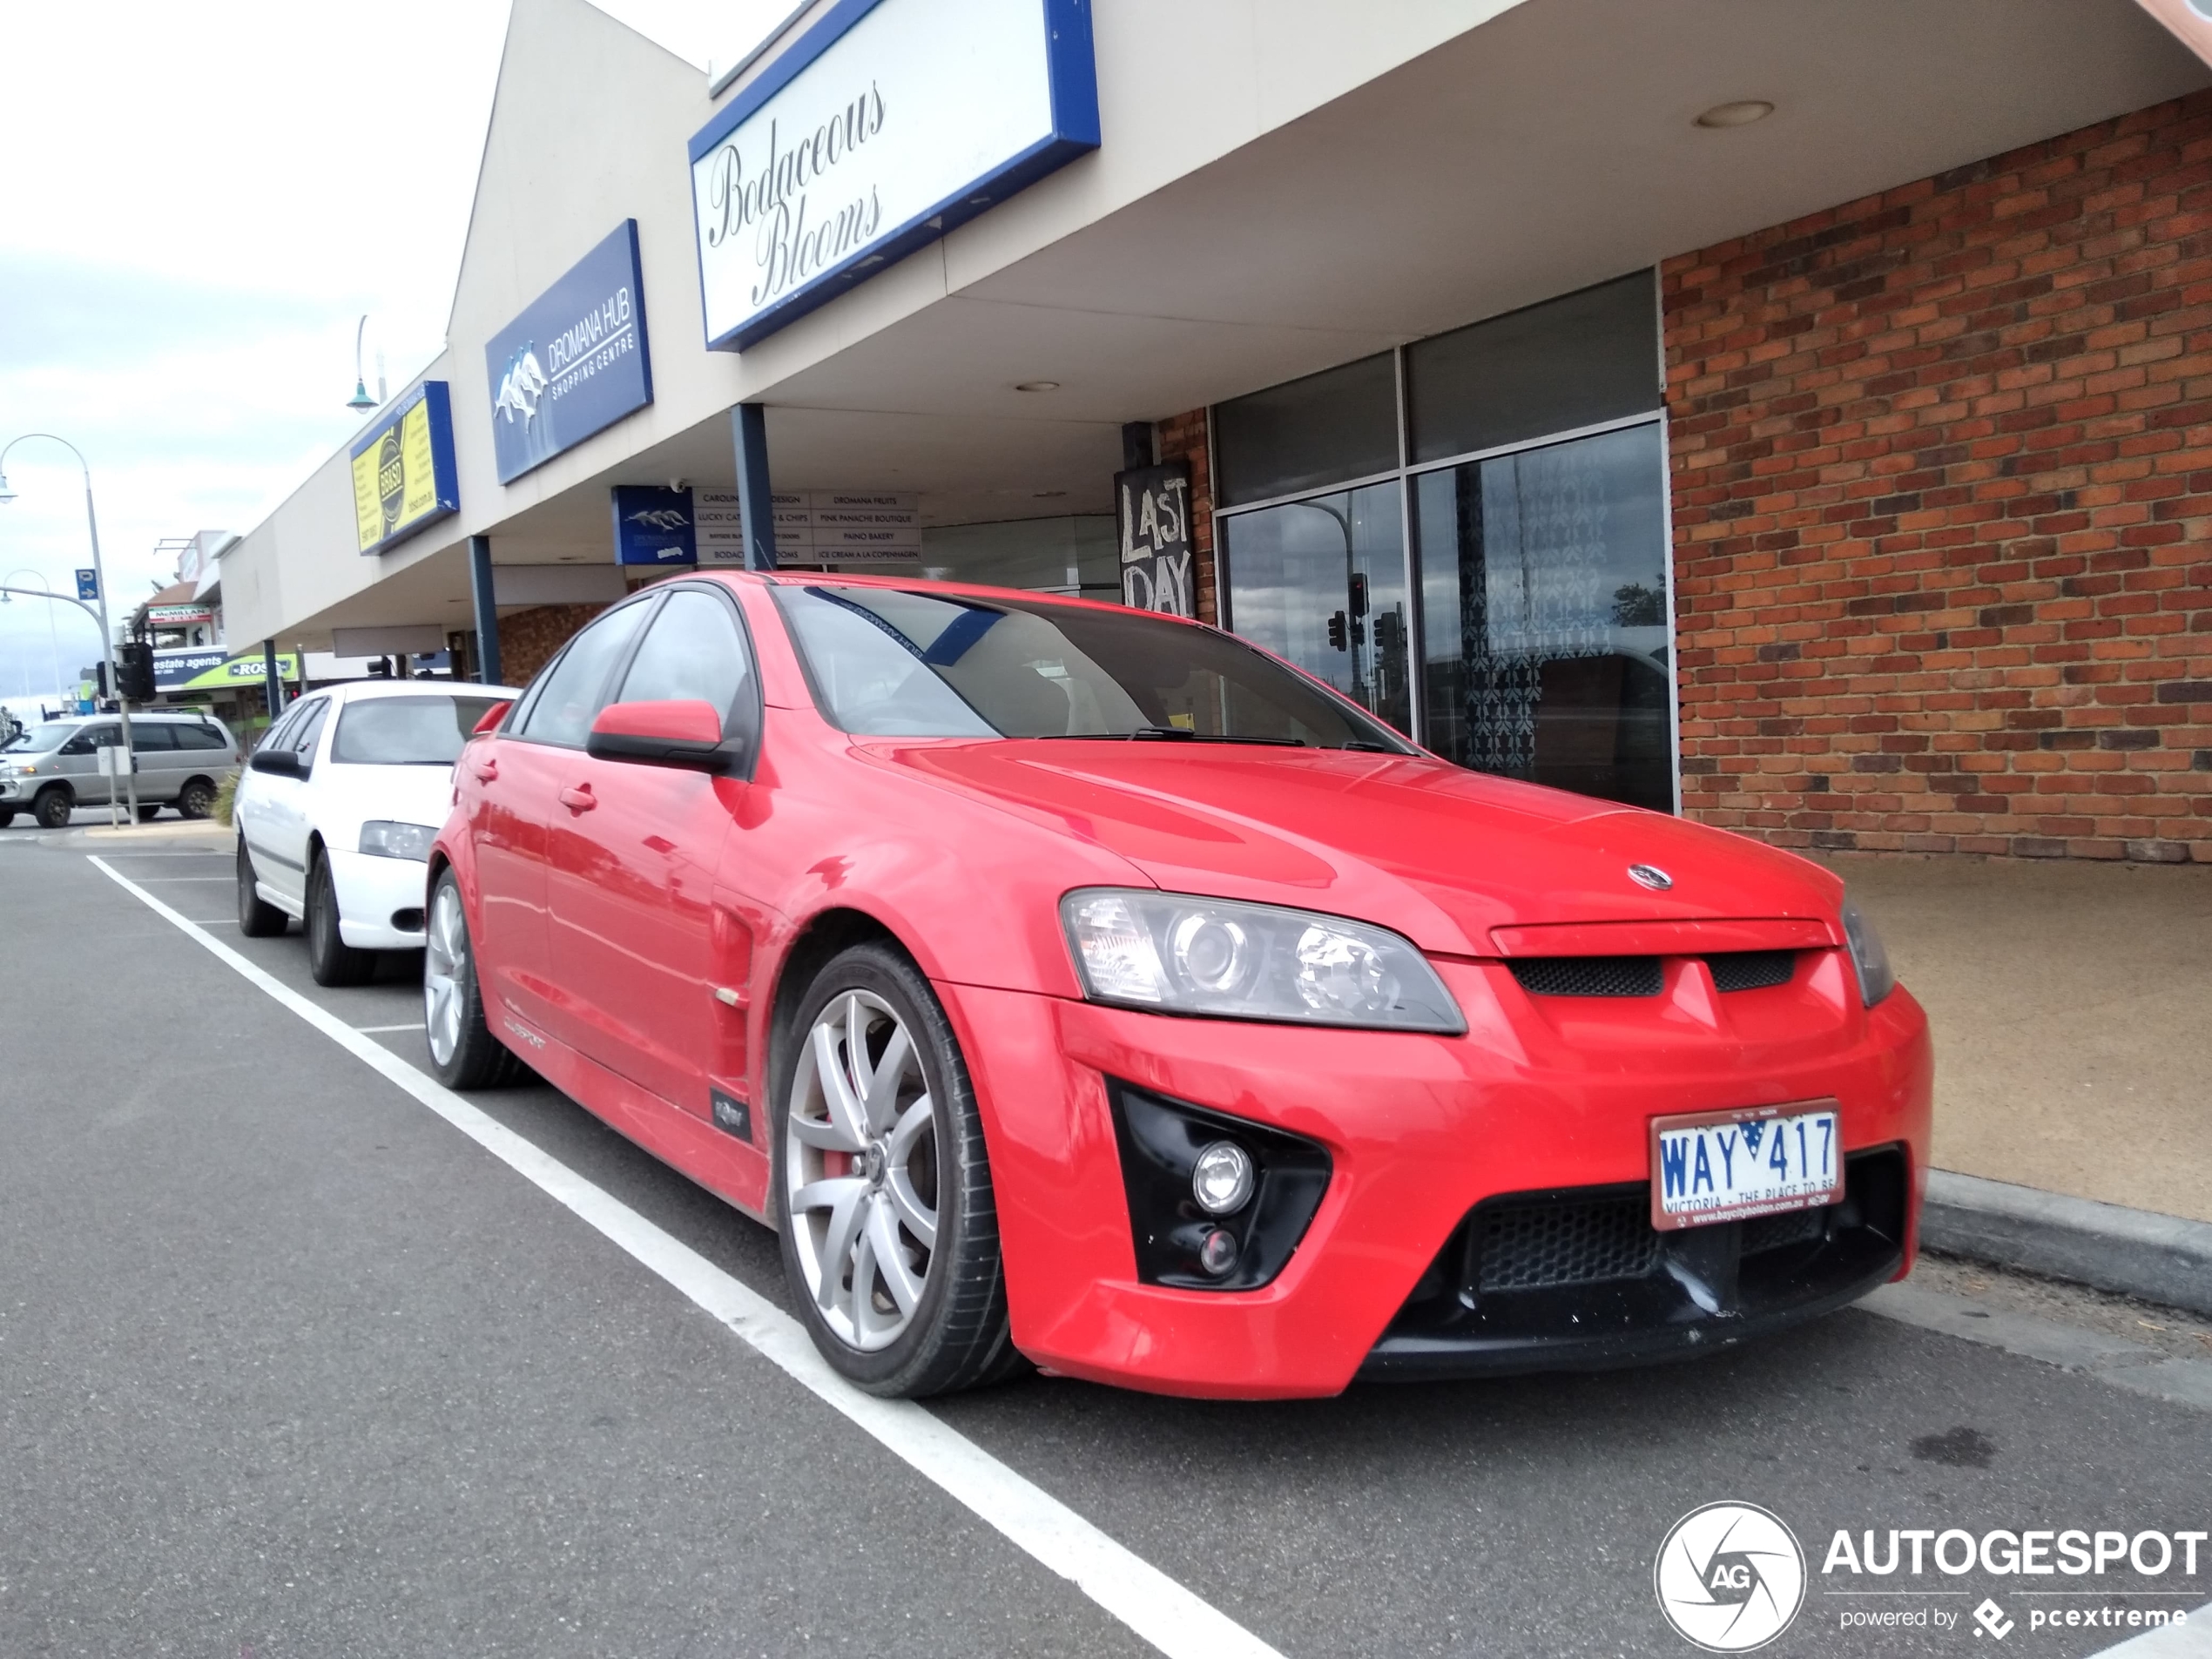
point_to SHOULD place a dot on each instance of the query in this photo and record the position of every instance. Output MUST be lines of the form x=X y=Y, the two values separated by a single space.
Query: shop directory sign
x=404 y=475
x=574 y=363
x=883 y=126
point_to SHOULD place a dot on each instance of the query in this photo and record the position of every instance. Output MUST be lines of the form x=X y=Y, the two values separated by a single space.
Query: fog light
x=1222 y=1179
x=1217 y=1255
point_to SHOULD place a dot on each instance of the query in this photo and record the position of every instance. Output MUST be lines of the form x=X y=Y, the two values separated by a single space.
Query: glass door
x=1322 y=583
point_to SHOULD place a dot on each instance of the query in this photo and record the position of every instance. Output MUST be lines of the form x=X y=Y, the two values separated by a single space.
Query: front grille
x=1588 y=975
x=1752 y=971
x=1524 y=1246
x=1790 y=1227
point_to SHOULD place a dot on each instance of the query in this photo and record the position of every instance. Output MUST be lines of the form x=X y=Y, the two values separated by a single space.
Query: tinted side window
x=308 y=732
x=198 y=737
x=92 y=739
x=693 y=649
x=146 y=738
x=576 y=690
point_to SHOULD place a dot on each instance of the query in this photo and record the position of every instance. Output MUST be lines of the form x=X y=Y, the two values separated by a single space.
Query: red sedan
x=1085 y=988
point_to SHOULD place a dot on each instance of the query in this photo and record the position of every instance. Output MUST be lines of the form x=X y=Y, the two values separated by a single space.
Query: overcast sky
x=198 y=203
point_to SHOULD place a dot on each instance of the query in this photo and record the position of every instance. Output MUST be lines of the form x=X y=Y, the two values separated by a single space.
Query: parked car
x=336 y=813
x=1082 y=985
x=52 y=769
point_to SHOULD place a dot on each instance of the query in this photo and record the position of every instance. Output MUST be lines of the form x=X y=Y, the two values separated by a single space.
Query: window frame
x=1407 y=471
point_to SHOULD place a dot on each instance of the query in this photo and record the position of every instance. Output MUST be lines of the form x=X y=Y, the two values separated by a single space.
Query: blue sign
x=655 y=526
x=88 y=586
x=404 y=475
x=883 y=126
x=574 y=363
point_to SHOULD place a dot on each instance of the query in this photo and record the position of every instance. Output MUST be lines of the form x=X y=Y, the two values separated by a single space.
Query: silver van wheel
x=445 y=961
x=861 y=1163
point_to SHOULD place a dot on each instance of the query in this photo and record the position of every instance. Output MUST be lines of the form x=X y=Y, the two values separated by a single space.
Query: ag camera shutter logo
x=1730 y=1577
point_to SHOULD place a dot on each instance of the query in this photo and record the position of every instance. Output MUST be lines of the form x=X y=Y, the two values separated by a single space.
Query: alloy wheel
x=861 y=1161
x=445 y=962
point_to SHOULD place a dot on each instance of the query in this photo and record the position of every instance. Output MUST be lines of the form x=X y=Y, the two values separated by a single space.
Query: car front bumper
x=375 y=897
x=1542 y=1096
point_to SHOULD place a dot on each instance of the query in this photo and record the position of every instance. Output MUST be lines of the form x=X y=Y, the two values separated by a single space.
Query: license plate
x=1721 y=1166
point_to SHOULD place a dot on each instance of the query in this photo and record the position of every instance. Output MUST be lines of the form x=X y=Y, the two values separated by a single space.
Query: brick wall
x=1183 y=438
x=1943 y=508
x=528 y=638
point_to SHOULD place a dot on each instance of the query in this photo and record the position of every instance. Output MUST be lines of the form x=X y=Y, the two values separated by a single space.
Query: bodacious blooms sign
x=887 y=124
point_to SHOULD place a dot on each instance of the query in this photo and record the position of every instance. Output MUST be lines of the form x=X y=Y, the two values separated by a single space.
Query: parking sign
x=88 y=586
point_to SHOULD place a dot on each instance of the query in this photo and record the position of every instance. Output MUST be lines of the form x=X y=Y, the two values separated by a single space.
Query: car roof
x=925 y=584
x=362 y=691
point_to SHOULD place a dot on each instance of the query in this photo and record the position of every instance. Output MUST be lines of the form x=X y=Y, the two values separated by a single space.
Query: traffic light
x=1340 y=639
x=134 y=667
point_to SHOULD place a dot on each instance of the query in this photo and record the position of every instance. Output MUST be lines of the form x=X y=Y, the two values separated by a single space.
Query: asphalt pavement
x=291 y=1365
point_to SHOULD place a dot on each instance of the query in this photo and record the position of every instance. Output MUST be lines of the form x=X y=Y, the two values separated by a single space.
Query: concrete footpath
x=2072 y=1004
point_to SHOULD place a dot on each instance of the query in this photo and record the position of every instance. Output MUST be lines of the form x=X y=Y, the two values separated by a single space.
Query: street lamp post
x=53 y=638
x=107 y=632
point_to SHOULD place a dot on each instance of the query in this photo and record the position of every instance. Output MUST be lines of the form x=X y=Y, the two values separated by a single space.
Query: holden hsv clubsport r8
x=1085 y=988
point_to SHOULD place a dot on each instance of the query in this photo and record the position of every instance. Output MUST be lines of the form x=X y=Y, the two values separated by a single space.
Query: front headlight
x=386 y=839
x=1180 y=954
x=1876 y=979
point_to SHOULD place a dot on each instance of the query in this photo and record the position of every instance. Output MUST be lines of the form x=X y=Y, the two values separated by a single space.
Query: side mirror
x=492 y=716
x=283 y=762
x=680 y=732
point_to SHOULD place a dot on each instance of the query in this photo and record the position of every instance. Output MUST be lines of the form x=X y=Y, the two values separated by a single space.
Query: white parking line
x=376 y=1030
x=165 y=881
x=1146 y=1600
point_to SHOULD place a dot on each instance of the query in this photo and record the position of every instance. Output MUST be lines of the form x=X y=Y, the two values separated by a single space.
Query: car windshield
x=407 y=730
x=895 y=662
x=37 y=739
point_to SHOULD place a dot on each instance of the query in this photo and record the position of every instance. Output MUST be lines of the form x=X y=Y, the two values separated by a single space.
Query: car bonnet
x=1445 y=856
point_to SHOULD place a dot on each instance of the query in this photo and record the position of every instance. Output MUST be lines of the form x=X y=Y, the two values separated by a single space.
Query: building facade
x=1798 y=421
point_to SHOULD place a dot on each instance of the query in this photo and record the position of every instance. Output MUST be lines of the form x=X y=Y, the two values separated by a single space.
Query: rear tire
x=882 y=1186
x=463 y=1052
x=330 y=958
x=257 y=917
x=196 y=799
x=53 y=807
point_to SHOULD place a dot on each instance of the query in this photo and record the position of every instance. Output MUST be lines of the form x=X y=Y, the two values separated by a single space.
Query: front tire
x=330 y=958
x=463 y=1052
x=257 y=917
x=53 y=807
x=883 y=1187
x=7 y=816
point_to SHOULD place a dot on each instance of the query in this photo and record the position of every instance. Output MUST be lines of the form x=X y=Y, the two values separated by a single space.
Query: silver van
x=51 y=770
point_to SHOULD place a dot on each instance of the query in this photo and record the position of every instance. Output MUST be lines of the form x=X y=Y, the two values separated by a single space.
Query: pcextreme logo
x=1730 y=1577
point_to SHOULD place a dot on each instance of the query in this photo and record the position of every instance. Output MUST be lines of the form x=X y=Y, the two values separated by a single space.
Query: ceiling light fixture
x=1037 y=386
x=1739 y=114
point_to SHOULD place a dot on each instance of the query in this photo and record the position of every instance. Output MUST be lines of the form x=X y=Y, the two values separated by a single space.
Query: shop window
x=1322 y=583
x=1325 y=429
x=1545 y=636
x=1579 y=361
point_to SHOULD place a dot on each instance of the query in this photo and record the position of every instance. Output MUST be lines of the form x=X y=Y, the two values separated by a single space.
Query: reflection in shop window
x=1322 y=583
x=1544 y=615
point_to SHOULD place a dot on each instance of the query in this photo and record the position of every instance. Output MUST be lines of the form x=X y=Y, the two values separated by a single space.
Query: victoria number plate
x=1720 y=1166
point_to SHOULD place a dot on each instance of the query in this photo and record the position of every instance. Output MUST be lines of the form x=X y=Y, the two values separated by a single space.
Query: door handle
x=579 y=799
x=485 y=769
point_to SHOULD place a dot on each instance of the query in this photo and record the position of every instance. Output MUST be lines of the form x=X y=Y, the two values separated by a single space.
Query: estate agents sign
x=886 y=124
x=574 y=363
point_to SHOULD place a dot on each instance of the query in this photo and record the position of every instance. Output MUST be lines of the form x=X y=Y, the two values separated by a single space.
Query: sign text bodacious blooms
x=882 y=127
